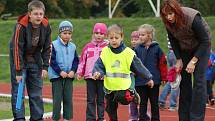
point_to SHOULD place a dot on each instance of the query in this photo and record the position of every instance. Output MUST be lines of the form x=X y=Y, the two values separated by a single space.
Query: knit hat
x=135 y=34
x=100 y=27
x=65 y=26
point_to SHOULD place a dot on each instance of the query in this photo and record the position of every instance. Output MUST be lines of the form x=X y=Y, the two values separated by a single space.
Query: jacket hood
x=154 y=43
x=24 y=19
x=93 y=41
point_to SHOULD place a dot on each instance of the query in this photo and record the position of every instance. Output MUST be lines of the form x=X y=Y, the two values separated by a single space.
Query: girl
x=89 y=55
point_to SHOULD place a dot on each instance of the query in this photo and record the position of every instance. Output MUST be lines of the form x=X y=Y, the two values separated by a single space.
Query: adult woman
x=190 y=38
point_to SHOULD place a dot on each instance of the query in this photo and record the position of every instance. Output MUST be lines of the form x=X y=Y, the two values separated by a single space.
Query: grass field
x=5 y=110
x=82 y=34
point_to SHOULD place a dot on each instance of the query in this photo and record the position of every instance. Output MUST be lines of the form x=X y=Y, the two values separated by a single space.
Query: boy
x=29 y=58
x=63 y=65
x=115 y=65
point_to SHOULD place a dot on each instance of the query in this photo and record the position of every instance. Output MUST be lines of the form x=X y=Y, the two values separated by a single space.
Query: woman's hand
x=178 y=65
x=191 y=65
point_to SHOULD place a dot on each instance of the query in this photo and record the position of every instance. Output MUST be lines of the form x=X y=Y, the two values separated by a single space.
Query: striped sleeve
x=18 y=45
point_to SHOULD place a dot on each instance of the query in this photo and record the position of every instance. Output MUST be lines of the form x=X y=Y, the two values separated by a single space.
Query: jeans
x=173 y=95
x=34 y=83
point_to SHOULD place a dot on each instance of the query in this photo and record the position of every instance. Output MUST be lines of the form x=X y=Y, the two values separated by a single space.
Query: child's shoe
x=212 y=101
x=162 y=106
x=172 y=109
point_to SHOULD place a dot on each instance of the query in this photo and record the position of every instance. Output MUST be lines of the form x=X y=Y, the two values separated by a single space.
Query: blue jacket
x=154 y=60
x=63 y=58
x=209 y=69
x=136 y=65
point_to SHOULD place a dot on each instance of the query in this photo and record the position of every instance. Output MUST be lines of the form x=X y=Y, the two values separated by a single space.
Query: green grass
x=83 y=32
x=6 y=111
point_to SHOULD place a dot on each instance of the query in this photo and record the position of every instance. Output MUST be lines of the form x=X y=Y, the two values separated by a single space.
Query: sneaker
x=172 y=109
x=137 y=98
x=212 y=101
x=162 y=106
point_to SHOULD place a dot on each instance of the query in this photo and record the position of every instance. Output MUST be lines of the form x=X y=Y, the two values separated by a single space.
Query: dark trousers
x=152 y=94
x=209 y=90
x=111 y=106
x=32 y=76
x=192 y=98
x=95 y=99
x=62 y=90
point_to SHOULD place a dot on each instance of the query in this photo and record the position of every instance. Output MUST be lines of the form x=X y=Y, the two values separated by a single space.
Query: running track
x=79 y=103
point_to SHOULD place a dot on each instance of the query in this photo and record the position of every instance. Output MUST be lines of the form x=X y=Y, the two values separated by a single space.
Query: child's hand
x=79 y=77
x=18 y=78
x=150 y=83
x=44 y=73
x=63 y=74
x=96 y=75
x=178 y=65
x=71 y=74
x=163 y=82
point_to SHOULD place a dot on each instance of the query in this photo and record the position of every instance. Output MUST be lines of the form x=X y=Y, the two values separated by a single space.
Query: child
x=134 y=39
x=153 y=59
x=115 y=65
x=210 y=97
x=63 y=65
x=171 y=59
x=133 y=111
x=30 y=49
x=89 y=55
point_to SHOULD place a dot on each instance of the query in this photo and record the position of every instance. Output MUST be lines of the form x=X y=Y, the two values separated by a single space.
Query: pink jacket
x=89 y=56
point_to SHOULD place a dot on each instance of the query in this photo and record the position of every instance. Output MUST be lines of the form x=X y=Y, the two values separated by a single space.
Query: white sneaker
x=172 y=109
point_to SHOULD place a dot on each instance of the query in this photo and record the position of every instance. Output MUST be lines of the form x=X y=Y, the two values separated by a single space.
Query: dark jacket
x=194 y=38
x=21 y=43
x=136 y=66
x=154 y=60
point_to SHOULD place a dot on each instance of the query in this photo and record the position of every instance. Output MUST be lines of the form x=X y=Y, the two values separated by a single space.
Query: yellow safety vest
x=117 y=68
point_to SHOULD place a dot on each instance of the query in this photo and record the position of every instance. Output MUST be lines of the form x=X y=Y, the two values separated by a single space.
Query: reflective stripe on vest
x=117 y=67
x=118 y=75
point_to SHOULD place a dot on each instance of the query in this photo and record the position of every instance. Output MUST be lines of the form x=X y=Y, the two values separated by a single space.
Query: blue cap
x=65 y=26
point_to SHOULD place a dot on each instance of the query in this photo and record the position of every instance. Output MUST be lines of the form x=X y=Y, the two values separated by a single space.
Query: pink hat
x=100 y=27
x=135 y=34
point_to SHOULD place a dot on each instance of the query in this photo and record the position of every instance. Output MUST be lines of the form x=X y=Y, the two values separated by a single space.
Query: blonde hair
x=35 y=4
x=116 y=28
x=149 y=28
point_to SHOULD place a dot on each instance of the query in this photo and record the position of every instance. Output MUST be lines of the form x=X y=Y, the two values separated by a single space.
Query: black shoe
x=162 y=106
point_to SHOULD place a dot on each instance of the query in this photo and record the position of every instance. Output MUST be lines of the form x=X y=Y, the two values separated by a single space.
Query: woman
x=191 y=41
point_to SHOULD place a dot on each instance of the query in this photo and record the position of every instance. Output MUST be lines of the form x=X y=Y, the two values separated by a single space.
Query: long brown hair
x=172 y=6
